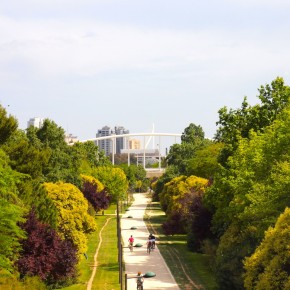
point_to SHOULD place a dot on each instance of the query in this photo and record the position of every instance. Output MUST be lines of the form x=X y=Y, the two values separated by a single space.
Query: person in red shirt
x=131 y=242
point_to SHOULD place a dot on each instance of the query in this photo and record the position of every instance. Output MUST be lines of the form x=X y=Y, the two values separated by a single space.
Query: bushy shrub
x=45 y=254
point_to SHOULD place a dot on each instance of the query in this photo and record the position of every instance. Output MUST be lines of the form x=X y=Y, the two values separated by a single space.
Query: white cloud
x=54 y=47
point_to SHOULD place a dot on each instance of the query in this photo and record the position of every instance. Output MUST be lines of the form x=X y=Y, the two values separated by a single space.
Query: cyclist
x=149 y=245
x=152 y=238
x=140 y=281
x=131 y=242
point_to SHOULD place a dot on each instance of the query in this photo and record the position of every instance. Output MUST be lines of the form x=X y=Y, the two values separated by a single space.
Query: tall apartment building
x=35 y=122
x=121 y=143
x=107 y=144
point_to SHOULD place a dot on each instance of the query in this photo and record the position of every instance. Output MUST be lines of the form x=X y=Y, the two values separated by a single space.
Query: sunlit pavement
x=139 y=259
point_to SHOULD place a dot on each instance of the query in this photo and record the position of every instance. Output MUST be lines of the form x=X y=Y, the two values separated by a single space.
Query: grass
x=107 y=274
x=190 y=270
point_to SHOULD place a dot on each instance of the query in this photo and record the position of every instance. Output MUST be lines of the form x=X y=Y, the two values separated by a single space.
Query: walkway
x=139 y=259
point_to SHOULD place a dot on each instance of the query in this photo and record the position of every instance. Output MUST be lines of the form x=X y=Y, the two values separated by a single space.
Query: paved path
x=139 y=259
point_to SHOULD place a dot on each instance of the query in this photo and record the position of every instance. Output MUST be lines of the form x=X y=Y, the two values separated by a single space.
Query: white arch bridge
x=148 y=138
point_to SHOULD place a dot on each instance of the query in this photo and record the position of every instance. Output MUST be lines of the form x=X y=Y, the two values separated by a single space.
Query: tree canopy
x=114 y=180
x=73 y=220
x=269 y=266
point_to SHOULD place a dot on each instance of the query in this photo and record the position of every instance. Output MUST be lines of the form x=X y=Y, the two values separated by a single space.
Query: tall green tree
x=62 y=164
x=8 y=125
x=193 y=134
x=269 y=266
x=236 y=124
x=205 y=162
x=192 y=139
x=158 y=186
x=25 y=157
x=248 y=196
x=114 y=180
x=10 y=233
x=86 y=156
x=12 y=211
x=134 y=173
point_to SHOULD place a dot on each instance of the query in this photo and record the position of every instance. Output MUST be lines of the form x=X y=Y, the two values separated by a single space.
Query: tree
x=87 y=156
x=114 y=180
x=42 y=205
x=62 y=164
x=234 y=124
x=248 y=196
x=45 y=254
x=11 y=213
x=177 y=200
x=8 y=126
x=192 y=139
x=10 y=233
x=269 y=266
x=25 y=157
x=94 y=191
x=51 y=135
x=205 y=162
x=158 y=185
x=200 y=223
x=73 y=220
x=192 y=134
x=134 y=173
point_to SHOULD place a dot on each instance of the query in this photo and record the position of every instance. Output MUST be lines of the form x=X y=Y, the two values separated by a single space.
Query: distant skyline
x=90 y=63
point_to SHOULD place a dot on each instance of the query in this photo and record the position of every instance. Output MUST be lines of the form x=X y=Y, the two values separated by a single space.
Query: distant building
x=150 y=155
x=122 y=142
x=134 y=144
x=35 y=122
x=70 y=139
x=107 y=144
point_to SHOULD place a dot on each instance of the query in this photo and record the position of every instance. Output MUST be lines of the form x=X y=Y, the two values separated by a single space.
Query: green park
x=220 y=211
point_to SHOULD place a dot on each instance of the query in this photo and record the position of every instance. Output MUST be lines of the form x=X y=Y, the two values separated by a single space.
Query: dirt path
x=139 y=259
x=89 y=286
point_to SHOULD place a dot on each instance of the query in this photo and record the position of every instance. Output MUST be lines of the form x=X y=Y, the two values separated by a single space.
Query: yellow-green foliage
x=153 y=185
x=73 y=220
x=92 y=180
x=175 y=189
x=9 y=282
x=139 y=184
x=114 y=180
x=269 y=266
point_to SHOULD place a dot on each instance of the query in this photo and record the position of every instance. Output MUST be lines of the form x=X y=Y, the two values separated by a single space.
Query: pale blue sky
x=89 y=63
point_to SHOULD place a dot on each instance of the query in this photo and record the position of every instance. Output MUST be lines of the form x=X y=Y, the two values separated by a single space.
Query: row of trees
x=240 y=213
x=49 y=195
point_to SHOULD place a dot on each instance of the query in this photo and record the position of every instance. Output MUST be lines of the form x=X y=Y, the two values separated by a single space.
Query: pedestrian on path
x=140 y=280
x=131 y=242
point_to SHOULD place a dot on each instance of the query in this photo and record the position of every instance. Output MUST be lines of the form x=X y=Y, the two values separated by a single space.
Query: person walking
x=131 y=242
x=140 y=280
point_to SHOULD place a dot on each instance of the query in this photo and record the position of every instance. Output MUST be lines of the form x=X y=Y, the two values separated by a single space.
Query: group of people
x=150 y=243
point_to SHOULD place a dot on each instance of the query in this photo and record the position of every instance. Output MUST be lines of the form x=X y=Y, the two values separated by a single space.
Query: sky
x=138 y=64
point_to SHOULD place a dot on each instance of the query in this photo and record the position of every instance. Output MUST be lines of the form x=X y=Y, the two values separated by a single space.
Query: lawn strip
x=85 y=265
x=191 y=270
x=107 y=274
